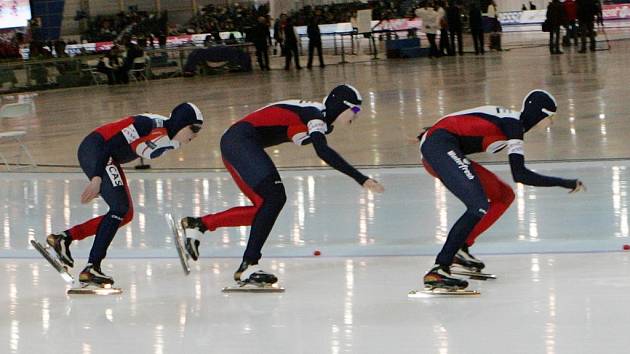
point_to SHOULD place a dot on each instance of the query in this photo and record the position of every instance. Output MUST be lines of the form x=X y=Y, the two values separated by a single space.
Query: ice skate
x=466 y=264
x=179 y=244
x=193 y=229
x=61 y=244
x=54 y=261
x=92 y=274
x=438 y=281
x=250 y=278
x=466 y=260
x=94 y=282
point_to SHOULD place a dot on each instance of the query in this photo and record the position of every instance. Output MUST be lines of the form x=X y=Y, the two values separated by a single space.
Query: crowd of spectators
x=136 y=23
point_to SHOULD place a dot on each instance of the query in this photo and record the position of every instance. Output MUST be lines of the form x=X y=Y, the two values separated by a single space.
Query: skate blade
x=179 y=243
x=252 y=288
x=430 y=292
x=54 y=262
x=473 y=275
x=94 y=289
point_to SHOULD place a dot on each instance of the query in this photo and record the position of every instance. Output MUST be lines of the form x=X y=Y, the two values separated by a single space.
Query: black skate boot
x=93 y=274
x=61 y=244
x=440 y=277
x=254 y=275
x=466 y=260
x=193 y=227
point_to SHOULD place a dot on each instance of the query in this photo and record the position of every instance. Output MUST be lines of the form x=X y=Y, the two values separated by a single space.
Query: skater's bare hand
x=579 y=186
x=91 y=190
x=373 y=186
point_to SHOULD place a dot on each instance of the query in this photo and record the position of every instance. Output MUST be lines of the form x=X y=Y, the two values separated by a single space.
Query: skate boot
x=466 y=260
x=193 y=229
x=253 y=275
x=61 y=244
x=93 y=274
x=440 y=277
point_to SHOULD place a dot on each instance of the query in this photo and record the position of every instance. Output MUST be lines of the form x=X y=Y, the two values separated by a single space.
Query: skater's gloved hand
x=373 y=186
x=91 y=190
x=579 y=186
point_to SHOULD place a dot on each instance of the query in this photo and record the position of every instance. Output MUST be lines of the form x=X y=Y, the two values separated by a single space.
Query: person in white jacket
x=430 y=25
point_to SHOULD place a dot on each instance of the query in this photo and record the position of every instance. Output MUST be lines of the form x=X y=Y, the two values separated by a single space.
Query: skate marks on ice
x=94 y=289
x=179 y=243
x=430 y=292
x=54 y=261
x=247 y=287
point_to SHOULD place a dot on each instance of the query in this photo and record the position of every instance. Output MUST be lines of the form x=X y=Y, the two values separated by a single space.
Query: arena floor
x=563 y=278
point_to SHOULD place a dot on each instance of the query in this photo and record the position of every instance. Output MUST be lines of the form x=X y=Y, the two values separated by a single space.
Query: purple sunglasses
x=353 y=107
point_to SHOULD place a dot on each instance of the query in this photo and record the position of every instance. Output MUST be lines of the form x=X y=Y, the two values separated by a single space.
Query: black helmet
x=339 y=99
x=183 y=115
x=537 y=105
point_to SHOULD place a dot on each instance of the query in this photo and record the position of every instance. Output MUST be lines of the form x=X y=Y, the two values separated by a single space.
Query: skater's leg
x=88 y=149
x=273 y=199
x=115 y=192
x=500 y=195
x=237 y=216
x=249 y=165
x=441 y=153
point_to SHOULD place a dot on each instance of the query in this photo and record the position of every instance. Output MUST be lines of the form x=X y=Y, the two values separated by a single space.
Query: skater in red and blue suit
x=243 y=151
x=444 y=148
x=100 y=155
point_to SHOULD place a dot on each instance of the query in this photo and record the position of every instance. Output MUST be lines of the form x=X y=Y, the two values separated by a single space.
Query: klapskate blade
x=236 y=288
x=441 y=292
x=54 y=262
x=473 y=275
x=92 y=289
x=179 y=243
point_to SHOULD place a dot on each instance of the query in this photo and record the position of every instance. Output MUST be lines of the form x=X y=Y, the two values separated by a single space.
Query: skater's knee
x=122 y=211
x=128 y=217
x=478 y=208
x=271 y=190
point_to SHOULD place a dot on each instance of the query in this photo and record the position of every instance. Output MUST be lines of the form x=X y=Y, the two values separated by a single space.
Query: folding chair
x=139 y=69
x=97 y=76
x=16 y=110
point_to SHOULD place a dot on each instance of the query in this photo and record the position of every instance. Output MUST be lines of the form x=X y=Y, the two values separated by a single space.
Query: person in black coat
x=586 y=11
x=476 y=26
x=314 y=42
x=290 y=45
x=454 y=17
x=555 y=18
x=262 y=40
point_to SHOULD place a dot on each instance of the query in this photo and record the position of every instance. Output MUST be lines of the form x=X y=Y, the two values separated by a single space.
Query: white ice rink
x=563 y=279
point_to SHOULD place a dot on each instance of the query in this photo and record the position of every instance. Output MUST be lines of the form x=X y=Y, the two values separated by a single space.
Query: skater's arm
x=522 y=174
x=333 y=159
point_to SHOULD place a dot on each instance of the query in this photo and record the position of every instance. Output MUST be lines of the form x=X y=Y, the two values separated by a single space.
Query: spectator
x=314 y=42
x=586 y=11
x=445 y=48
x=495 y=26
x=454 y=17
x=429 y=16
x=476 y=27
x=110 y=65
x=570 y=11
x=555 y=18
x=278 y=32
x=532 y=6
x=262 y=41
x=290 y=45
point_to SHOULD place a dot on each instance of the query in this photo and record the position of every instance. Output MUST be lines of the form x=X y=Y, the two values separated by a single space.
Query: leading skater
x=100 y=155
x=444 y=147
x=243 y=151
